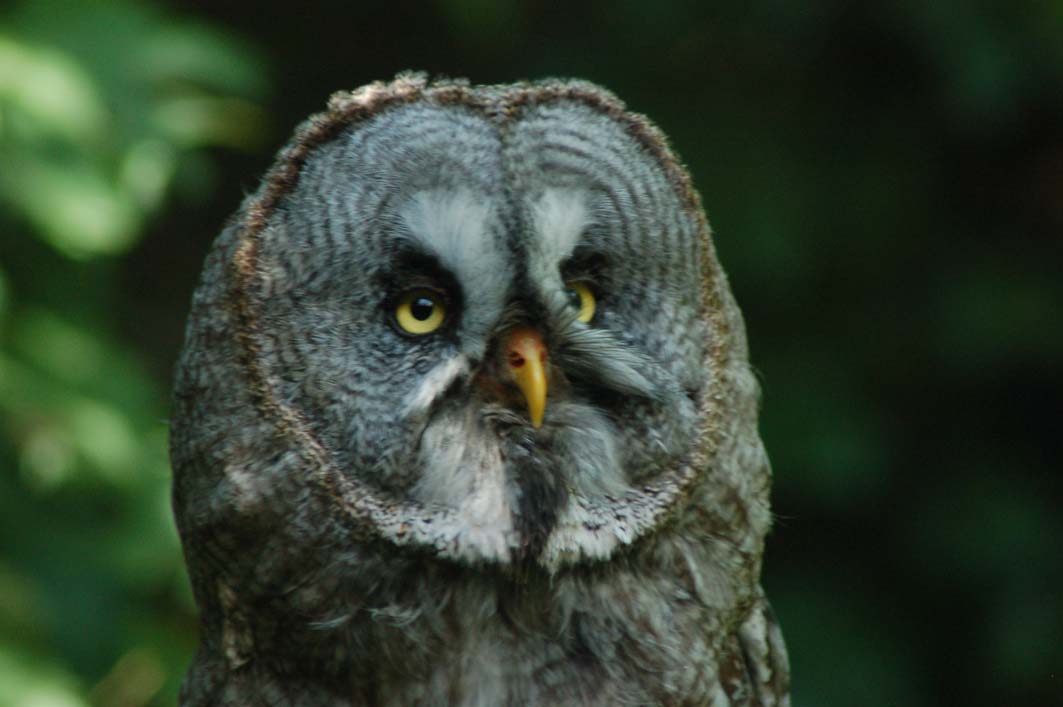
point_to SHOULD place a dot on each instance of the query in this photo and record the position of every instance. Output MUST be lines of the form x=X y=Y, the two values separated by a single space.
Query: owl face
x=490 y=312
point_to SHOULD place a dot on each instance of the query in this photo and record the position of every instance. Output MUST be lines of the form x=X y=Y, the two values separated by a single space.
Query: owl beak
x=526 y=360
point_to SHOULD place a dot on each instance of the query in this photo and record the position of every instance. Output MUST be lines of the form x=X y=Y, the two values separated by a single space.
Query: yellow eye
x=420 y=311
x=581 y=298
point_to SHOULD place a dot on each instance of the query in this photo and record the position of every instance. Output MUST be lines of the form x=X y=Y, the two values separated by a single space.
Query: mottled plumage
x=372 y=516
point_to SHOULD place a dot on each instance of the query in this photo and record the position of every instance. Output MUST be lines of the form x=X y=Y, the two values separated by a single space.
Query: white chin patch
x=585 y=528
x=586 y=444
x=463 y=470
x=420 y=399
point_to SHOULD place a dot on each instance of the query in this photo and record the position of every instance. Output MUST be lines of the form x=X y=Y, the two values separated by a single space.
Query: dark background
x=885 y=182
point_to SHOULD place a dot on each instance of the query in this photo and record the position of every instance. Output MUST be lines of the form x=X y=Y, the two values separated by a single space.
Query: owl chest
x=565 y=647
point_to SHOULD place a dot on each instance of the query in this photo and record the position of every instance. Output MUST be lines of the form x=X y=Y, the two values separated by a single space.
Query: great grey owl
x=464 y=416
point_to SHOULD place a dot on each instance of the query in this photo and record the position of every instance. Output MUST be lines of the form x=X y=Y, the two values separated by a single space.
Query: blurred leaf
x=67 y=419
x=197 y=121
x=5 y=297
x=76 y=209
x=28 y=683
x=50 y=91
x=194 y=53
x=63 y=350
x=134 y=680
x=89 y=150
x=21 y=609
x=146 y=172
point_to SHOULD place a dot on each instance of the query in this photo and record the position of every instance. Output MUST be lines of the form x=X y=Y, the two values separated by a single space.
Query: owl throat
x=542 y=492
x=510 y=486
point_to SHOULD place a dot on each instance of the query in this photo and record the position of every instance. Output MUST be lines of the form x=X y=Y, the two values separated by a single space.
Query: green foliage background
x=886 y=185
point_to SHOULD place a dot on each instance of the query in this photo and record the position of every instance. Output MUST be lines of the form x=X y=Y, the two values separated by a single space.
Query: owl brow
x=585 y=261
x=412 y=265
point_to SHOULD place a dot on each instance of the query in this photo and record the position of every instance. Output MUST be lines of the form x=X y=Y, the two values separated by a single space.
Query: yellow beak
x=526 y=360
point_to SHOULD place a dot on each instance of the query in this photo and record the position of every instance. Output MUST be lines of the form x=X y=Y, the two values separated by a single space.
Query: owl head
x=482 y=324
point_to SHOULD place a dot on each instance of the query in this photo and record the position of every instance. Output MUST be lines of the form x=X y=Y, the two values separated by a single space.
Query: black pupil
x=573 y=297
x=421 y=308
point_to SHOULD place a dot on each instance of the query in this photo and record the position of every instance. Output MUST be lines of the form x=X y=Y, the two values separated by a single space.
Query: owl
x=464 y=416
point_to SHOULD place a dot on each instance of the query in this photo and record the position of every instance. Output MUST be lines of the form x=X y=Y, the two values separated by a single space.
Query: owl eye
x=420 y=311
x=581 y=297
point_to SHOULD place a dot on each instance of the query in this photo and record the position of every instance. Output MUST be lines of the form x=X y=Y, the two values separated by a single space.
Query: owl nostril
x=516 y=359
x=526 y=357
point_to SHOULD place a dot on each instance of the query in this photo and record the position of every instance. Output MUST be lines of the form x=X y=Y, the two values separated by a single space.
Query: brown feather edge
x=370 y=512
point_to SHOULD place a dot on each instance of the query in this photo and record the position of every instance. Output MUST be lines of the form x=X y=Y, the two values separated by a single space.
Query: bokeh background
x=885 y=181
